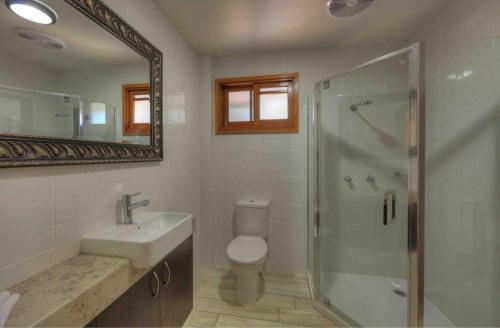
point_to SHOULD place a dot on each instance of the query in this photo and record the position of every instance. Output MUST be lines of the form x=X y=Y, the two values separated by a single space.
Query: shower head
x=355 y=107
x=347 y=8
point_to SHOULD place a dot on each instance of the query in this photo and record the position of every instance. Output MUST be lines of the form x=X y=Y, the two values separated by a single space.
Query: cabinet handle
x=155 y=294
x=165 y=283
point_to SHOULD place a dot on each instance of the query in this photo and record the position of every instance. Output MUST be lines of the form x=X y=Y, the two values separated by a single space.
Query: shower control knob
x=370 y=179
x=347 y=179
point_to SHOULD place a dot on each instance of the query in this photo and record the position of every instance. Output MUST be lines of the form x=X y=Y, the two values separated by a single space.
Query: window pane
x=274 y=89
x=239 y=106
x=274 y=106
x=142 y=109
x=97 y=113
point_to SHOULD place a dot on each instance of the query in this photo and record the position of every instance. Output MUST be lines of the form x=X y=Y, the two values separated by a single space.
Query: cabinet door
x=176 y=296
x=138 y=307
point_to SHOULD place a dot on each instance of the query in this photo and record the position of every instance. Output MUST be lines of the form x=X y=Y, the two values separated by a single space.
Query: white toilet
x=247 y=253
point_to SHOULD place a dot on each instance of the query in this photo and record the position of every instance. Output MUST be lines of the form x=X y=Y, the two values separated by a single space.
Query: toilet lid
x=247 y=249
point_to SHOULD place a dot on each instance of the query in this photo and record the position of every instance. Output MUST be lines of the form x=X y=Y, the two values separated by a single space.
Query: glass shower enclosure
x=366 y=193
x=52 y=114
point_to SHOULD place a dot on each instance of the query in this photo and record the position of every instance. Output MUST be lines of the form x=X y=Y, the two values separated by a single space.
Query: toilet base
x=247 y=282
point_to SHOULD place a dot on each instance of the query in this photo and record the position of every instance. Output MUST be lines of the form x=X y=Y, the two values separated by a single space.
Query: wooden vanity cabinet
x=137 y=307
x=162 y=298
x=176 y=297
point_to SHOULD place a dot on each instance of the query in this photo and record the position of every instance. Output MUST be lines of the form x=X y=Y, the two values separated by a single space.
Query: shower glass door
x=363 y=130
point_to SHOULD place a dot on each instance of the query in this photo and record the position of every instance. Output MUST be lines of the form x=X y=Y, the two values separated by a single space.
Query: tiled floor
x=285 y=302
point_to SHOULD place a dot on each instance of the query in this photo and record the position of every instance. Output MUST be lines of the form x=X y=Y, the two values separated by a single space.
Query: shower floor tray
x=374 y=300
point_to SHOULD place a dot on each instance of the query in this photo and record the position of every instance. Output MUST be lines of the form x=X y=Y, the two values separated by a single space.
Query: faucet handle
x=128 y=197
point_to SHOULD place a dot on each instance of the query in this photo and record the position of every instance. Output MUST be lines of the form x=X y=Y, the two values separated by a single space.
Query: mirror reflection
x=64 y=76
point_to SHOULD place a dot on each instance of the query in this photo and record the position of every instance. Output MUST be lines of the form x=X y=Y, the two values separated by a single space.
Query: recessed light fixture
x=33 y=10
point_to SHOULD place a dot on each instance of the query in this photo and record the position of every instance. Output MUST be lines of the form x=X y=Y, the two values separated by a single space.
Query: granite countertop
x=71 y=293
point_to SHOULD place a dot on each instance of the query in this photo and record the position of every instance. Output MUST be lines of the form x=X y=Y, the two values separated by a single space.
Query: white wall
x=21 y=73
x=266 y=166
x=44 y=211
x=462 y=262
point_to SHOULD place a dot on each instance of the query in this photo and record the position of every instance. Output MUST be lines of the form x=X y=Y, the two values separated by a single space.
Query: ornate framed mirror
x=83 y=87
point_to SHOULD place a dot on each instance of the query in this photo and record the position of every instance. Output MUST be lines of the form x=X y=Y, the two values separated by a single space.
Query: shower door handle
x=389 y=200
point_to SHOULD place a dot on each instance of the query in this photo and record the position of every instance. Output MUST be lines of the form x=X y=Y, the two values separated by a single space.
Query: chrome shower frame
x=416 y=189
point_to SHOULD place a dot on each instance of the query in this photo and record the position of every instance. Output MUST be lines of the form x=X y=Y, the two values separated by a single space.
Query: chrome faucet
x=128 y=206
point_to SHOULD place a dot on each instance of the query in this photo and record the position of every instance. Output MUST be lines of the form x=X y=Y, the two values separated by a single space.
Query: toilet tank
x=252 y=218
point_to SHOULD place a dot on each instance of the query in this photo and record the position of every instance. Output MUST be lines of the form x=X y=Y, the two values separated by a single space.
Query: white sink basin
x=145 y=243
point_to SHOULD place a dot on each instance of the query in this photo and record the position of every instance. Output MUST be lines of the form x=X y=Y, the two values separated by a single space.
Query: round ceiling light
x=33 y=10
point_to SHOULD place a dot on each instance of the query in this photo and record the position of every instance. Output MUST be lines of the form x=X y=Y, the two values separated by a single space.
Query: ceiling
x=87 y=44
x=225 y=26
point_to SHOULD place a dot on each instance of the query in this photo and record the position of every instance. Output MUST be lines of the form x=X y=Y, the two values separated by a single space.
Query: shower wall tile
x=76 y=196
x=463 y=156
x=69 y=234
x=19 y=271
x=26 y=218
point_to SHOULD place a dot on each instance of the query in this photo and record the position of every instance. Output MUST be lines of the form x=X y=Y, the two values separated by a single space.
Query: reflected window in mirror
x=97 y=113
x=136 y=110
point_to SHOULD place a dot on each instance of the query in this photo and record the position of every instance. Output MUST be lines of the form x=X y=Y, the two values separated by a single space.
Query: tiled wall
x=45 y=211
x=272 y=167
x=462 y=264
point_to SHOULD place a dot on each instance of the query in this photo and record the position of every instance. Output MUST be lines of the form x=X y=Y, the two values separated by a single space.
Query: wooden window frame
x=129 y=127
x=254 y=84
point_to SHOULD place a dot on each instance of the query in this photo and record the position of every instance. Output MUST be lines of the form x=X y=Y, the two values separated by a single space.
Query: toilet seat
x=247 y=250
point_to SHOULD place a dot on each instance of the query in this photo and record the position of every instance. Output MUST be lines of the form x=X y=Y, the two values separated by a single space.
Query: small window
x=239 y=106
x=136 y=110
x=97 y=113
x=260 y=104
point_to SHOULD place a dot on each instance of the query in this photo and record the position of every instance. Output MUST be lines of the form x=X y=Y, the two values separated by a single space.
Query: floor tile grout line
x=272 y=293
x=253 y=310
x=240 y=315
x=296 y=282
x=293 y=301
x=243 y=317
x=241 y=307
x=253 y=318
x=217 y=320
